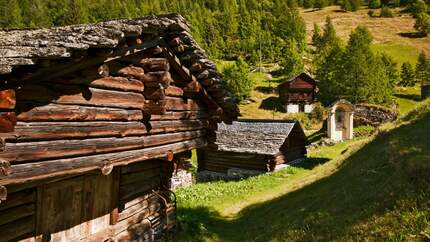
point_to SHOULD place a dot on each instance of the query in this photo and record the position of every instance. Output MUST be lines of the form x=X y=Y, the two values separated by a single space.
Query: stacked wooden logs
x=124 y=106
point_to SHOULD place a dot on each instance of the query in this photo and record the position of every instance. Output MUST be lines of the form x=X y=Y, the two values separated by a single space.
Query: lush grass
x=374 y=188
x=400 y=53
x=407 y=98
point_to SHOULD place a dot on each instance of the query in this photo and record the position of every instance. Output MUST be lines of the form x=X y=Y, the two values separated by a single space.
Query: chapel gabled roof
x=30 y=47
x=305 y=75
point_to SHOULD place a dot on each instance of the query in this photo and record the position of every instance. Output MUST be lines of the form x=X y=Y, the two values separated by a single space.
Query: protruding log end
x=3 y=193
x=5 y=168
x=169 y=156
x=103 y=70
x=107 y=168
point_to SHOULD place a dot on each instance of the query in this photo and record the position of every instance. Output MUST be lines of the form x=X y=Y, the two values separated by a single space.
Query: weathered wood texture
x=73 y=130
x=23 y=173
x=35 y=151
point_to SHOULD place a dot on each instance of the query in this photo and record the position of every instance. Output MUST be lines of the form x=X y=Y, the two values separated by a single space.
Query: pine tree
x=422 y=69
x=422 y=23
x=391 y=69
x=320 y=4
x=10 y=14
x=316 y=36
x=292 y=62
x=407 y=75
x=308 y=3
x=238 y=80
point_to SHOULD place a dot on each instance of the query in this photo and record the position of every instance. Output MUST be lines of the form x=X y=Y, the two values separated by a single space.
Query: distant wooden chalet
x=93 y=120
x=259 y=145
x=298 y=93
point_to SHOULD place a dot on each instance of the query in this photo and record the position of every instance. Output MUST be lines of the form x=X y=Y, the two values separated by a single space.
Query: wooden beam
x=3 y=193
x=66 y=94
x=35 y=151
x=181 y=104
x=42 y=170
x=154 y=93
x=79 y=130
x=173 y=91
x=108 y=82
x=148 y=64
x=154 y=79
x=57 y=112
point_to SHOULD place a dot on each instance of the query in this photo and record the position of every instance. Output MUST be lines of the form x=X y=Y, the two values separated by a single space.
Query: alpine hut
x=298 y=93
x=253 y=145
x=93 y=120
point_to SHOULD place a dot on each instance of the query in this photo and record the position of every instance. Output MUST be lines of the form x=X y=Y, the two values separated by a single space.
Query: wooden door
x=73 y=209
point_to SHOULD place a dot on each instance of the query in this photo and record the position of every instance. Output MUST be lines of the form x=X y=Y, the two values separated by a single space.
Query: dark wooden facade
x=93 y=120
x=298 y=89
x=257 y=145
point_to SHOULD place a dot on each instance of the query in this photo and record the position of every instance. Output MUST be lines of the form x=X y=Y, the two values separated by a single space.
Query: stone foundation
x=182 y=178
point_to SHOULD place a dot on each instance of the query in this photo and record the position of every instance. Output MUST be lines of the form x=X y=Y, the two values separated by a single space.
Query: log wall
x=84 y=155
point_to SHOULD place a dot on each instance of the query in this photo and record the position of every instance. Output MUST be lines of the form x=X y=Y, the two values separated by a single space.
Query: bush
x=319 y=113
x=238 y=80
x=386 y=12
x=422 y=23
x=364 y=130
x=371 y=13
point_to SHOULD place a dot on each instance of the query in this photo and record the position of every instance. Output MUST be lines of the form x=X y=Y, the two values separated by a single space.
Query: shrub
x=371 y=13
x=386 y=12
x=319 y=113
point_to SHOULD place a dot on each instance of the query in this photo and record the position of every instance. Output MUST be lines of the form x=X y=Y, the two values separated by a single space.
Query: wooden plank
x=16 y=213
x=24 y=173
x=141 y=166
x=57 y=112
x=137 y=189
x=141 y=176
x=109 y=82
x=18 y=198
x=68 y=94
x=115 y=205
x=7 y=99
x=17 y=229
x=35 y=151
x=7 y=122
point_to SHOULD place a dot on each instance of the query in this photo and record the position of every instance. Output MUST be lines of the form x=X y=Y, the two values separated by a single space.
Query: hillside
x=370 y=188
x=389 y=33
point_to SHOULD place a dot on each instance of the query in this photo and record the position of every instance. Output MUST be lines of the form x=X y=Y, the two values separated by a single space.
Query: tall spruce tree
x=10 y=14
x=407 y=75
x=422 y=69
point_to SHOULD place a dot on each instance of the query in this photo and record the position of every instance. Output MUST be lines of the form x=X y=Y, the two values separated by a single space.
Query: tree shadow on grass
x=310 y=163
x=370 y=183
x=266 y=90
x=414 y=97
x=273 y=104
x=412 y=35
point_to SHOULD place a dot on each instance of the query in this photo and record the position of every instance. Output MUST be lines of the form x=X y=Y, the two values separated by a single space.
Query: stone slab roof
x=253 y=136
x=29 y=46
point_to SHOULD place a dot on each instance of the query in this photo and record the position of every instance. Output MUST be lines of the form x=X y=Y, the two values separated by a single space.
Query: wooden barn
x=93 y=120
x=298 y=93
x=258 y=145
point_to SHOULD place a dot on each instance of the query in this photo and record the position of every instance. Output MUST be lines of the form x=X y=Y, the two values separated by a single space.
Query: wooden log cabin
x=253 y=145
x=93 y=120
x=298 y=93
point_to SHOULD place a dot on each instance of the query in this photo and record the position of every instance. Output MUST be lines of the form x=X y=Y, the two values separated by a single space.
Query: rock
x=369 y=114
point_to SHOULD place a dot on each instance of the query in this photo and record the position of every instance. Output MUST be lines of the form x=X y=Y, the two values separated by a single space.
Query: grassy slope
x=386 y=31
x=369 y=188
